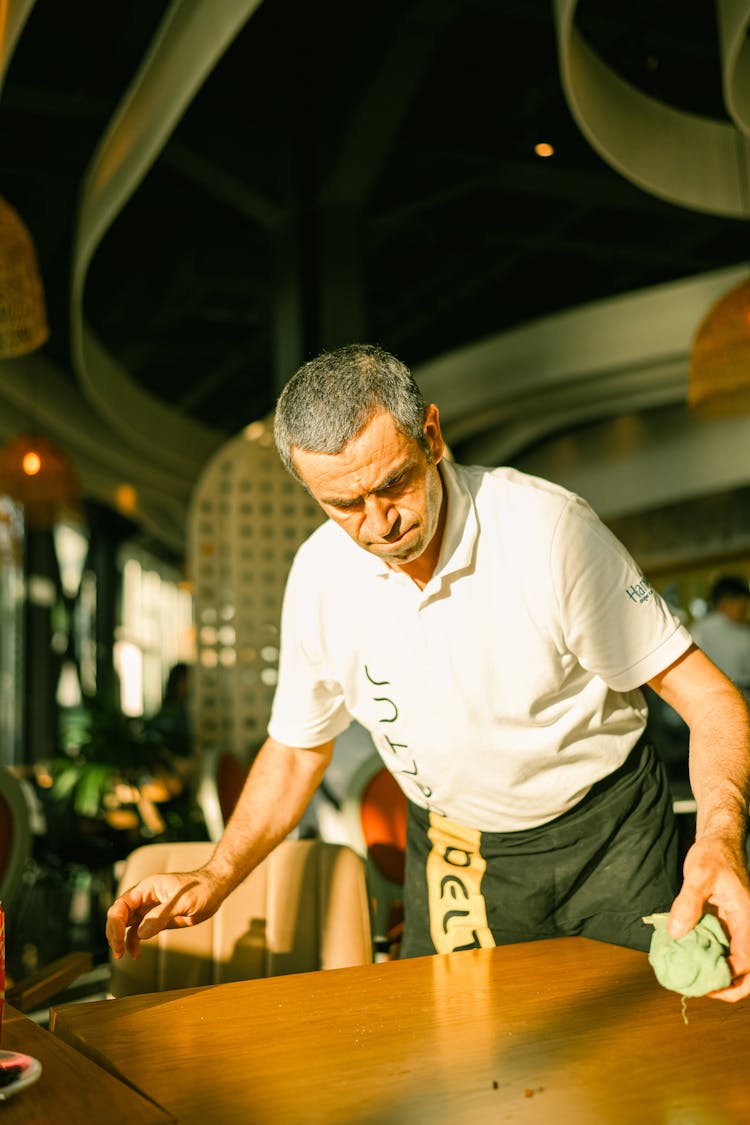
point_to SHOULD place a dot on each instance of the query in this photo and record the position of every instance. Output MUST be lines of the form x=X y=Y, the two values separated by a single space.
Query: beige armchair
x=304 y=908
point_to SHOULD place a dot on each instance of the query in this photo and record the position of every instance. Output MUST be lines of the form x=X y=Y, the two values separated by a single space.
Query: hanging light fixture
x=719 y=383
x=23 y=318
x=37 y=474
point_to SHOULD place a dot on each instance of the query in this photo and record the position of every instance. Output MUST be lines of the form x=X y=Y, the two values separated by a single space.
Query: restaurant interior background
x=541 y=207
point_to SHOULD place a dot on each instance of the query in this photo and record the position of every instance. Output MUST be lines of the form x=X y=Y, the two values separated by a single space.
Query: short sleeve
x=614 y=622
x=308 y=707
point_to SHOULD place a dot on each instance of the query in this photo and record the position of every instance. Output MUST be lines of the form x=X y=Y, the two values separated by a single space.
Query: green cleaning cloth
x=693 y=964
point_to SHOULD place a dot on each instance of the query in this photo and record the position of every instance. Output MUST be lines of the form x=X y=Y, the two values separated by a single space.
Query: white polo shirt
x=502 y=691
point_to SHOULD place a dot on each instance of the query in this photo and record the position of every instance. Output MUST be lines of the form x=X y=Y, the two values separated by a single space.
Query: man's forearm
x=717 y=717
x=277 y=791
x=716 y=713
x=720 y=766
x=715 y=873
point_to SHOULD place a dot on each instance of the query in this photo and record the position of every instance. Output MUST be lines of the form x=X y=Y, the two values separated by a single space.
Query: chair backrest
x=382 y=815
x=374 y=813
x=15 y=835
x=304 y=908
x=222 y=777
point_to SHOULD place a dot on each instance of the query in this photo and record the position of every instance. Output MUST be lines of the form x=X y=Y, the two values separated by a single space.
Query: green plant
x=116 y=782
x=102 y=748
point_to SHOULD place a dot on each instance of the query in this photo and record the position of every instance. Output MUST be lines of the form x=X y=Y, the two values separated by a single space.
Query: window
x=155 y=630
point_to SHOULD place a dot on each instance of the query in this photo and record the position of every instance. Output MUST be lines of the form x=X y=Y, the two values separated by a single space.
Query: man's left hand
x=716 y=882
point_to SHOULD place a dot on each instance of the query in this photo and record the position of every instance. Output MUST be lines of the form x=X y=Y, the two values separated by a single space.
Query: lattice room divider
x=247 y=517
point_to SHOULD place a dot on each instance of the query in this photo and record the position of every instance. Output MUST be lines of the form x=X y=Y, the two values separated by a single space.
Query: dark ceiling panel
x=420 y=118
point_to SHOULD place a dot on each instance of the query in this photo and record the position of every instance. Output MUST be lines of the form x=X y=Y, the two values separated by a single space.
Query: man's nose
x=381 y=515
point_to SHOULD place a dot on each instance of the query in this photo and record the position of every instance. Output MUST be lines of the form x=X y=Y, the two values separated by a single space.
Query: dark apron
x=594 y=871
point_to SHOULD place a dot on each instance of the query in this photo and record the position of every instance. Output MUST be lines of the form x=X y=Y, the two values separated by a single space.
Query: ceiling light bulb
x=31 y=463
x=126 y=499
x=543 y=149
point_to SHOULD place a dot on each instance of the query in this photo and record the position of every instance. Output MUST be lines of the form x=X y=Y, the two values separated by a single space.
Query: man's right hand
x=160 y=902
x=278 y=790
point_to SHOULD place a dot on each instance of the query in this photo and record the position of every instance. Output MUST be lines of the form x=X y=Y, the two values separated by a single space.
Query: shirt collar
x=459 y=534
x=461 y=525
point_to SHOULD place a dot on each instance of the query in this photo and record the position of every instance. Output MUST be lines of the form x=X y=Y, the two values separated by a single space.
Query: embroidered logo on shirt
x=640 y=593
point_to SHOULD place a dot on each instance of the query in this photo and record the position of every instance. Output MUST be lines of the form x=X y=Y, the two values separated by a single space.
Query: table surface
x=71 y=1089
x=564 y=1031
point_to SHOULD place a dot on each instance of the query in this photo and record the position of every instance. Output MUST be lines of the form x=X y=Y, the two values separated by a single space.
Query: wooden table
x=71 y=1089
x=568 y=1032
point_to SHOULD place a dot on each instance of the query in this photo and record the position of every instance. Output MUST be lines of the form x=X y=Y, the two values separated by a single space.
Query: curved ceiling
x=328 y=172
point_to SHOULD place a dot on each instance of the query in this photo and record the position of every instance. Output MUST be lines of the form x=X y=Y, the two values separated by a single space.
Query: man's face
x=382 y=489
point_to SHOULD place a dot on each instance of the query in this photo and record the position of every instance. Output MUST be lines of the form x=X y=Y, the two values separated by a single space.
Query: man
x=492 y=635
x=724 y=634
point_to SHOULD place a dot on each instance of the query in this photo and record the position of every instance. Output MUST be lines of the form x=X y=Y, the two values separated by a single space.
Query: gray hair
x=330 y=400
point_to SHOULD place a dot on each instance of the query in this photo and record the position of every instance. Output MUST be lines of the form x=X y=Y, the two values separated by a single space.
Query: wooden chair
x=304 y=908
x=32 y=991
x=37 y=988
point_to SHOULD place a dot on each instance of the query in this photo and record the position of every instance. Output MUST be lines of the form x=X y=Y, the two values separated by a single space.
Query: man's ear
x=433 y=434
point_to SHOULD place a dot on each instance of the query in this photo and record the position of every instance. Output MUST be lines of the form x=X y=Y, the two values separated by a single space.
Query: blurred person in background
x=172 y=720
x=724 y=633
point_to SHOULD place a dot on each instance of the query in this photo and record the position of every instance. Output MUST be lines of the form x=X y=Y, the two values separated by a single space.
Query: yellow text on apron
x=455 y=866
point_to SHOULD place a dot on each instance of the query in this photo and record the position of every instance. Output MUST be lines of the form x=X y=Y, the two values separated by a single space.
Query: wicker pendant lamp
x=719 y=383
x=23 y=319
